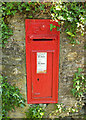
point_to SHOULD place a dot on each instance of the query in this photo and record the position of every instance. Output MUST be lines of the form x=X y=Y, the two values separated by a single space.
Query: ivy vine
x=79 y=86
x=71 y=15
x=35 y=111
x=11 y=97
x=10 y=8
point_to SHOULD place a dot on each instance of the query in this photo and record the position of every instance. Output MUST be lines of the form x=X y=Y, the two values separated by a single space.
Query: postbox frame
x=29 y=42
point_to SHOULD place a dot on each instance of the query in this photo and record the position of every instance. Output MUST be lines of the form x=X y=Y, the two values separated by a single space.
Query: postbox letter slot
x=42 y=39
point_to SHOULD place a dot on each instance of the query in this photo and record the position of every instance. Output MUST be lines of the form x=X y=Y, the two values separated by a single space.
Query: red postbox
x=42 y=61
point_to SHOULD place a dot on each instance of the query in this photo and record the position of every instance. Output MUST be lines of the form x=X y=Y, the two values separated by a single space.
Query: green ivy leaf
x=80 y=70
x=27 y=9
x=30 y=16
x=78 y=42
x=59 y=22
x=51 y=27
x=71 y=34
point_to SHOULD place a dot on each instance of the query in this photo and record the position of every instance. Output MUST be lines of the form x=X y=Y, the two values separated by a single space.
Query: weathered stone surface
x=18 y=113
x=71 y=56
x=49 y=108
x=14 y=64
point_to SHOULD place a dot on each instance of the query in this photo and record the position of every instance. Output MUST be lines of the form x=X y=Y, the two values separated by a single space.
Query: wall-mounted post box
x=42 y=61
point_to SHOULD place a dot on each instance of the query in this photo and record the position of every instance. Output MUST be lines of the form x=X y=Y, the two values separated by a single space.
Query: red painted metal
x=42 y=87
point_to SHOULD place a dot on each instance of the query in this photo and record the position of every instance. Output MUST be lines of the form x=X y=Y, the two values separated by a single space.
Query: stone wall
x=14 y=64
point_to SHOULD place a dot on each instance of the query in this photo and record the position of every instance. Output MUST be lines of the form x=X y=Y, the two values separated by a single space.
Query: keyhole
x=38 y=79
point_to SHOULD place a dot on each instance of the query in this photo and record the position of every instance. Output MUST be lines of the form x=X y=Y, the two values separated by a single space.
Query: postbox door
x=42 y=74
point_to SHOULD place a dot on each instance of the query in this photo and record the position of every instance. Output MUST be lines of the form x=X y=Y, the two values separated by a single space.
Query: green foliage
x=61 y=108
x=71 y=16
x=11 y=97
x=10 y=8
x=53 y=26
x=35 y=111
x=6 y=33
x=79 y=84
